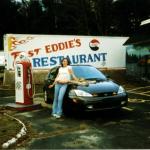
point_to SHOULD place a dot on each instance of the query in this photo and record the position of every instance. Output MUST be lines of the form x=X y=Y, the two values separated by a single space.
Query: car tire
x=117 y=110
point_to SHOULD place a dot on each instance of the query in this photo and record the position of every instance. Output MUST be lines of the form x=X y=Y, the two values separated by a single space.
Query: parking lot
x=74 y=74
x=141 y=91
x=128 y=128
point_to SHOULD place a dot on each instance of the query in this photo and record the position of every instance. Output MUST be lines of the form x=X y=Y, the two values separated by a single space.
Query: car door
x=49 y=92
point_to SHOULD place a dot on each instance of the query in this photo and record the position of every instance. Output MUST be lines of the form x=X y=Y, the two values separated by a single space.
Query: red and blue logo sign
x=94 y=44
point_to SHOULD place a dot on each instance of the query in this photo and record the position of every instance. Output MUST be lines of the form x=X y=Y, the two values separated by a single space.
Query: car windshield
x=88 y=72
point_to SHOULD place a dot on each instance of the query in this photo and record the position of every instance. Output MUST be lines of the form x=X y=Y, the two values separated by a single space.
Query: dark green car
x=94 y=92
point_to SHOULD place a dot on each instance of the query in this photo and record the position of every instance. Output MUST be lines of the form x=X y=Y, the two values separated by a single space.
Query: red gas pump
x=23 y=85
x=23 y=78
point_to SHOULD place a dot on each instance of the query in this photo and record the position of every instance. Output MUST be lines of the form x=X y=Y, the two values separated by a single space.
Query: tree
x=128 y=15
x=8 y=18
x=77 y=17
x=68 y=16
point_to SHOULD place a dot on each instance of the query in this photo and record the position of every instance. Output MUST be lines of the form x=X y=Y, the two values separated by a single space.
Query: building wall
x=138 y=61
x=40 y=75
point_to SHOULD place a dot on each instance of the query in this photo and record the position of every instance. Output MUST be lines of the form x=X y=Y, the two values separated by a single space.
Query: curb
x=22 y=132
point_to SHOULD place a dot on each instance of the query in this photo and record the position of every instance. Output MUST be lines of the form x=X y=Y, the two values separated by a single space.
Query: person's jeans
x=60 y=90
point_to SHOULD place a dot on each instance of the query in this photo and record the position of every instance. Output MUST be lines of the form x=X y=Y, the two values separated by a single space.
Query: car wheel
x=117 y=110
x=45 y=96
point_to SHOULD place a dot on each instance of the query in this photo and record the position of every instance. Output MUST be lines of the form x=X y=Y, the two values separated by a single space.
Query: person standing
x=65 y=74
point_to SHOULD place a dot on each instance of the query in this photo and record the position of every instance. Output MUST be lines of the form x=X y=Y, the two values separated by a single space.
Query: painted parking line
x=138 y=88
x=8 y=97
x=37 y=94
x=127 y=108
x=145 y=92
x=139 y=93
x=138 y=100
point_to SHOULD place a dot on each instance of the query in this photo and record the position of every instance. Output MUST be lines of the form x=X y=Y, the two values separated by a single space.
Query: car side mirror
x=107 y=76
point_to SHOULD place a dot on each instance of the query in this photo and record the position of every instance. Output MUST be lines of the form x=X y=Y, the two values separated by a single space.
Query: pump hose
x=33 y=87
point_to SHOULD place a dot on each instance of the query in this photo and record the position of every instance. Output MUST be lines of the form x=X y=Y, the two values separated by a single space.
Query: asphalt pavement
x=126 y=129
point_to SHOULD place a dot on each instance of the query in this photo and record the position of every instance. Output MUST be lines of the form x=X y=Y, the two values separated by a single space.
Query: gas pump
x=23 y=82
x=23 y=85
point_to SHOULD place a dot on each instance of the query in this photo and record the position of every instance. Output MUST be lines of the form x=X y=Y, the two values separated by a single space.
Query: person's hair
x=63 y=60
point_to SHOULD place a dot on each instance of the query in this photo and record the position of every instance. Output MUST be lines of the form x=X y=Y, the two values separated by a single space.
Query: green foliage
x=72 y=17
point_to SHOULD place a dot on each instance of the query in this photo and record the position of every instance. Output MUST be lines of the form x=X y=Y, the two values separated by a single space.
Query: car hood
x=100 y=87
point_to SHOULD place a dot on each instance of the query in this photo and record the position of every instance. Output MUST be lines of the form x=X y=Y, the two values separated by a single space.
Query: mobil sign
x=46 y=51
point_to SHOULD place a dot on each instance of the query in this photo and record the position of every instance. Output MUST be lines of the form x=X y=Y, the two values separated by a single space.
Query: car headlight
x=80 y=93
x=121 y=90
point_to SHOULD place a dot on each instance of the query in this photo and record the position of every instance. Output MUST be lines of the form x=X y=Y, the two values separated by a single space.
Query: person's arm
x=51 y=85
